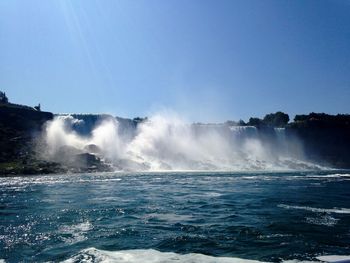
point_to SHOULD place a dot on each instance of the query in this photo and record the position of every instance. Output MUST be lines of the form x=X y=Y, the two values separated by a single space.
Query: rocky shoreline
x=20 y=131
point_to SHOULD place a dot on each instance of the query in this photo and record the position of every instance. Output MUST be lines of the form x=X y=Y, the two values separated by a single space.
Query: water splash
x=167 y=142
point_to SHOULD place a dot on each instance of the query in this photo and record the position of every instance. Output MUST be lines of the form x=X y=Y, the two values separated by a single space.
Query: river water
x=175 y=217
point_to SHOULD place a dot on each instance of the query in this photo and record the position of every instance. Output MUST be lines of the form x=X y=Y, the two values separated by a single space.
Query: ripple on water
x=325 y=220
x=72 y=234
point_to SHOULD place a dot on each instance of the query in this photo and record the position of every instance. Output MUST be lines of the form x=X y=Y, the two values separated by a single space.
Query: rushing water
x=199 y=217
x=167 y=142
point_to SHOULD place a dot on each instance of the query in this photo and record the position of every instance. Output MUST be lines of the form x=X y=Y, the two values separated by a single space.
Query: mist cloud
x=167 y=142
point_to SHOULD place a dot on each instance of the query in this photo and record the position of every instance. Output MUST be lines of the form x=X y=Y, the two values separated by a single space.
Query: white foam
x=329 y=176
x=154 y=256
x=334 y=258
x=149 y=256
x=275 y=236
x=335 y=210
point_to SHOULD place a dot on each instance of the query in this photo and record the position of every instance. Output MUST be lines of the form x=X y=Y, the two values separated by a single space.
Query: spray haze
x=166 y=141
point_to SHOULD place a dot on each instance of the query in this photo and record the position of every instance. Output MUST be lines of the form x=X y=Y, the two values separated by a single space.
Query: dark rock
x=66 y=152
x=92 y=148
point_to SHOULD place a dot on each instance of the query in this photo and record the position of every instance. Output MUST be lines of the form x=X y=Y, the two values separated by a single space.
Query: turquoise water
x=98 y=217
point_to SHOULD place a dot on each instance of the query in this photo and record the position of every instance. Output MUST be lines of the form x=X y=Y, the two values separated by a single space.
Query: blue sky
x=206 y=60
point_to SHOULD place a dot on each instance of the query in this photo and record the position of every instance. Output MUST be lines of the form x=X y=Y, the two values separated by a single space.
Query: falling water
x=167 y=142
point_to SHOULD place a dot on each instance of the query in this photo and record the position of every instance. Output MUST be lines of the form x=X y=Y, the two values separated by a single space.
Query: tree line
x=280 y=119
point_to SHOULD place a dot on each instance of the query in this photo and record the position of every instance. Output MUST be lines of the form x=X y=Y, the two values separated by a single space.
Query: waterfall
x=165 y=142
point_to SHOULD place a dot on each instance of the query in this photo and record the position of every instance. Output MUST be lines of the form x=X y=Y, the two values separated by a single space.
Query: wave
x=154 y=256
x=330 y=176
x=334 y=258
x=148 y=256
x=93 y=255
x=335 y=210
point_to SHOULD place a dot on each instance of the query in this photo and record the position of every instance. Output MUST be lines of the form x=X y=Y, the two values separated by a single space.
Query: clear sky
x=207 y=60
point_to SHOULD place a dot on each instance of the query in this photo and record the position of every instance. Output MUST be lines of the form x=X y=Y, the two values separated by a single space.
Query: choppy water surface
x=139 y=217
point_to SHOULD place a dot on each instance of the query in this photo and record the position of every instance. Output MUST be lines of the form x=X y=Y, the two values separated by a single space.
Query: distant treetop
x=38 y=108
x=276 y=120
x=322 y=120
x=3 y=97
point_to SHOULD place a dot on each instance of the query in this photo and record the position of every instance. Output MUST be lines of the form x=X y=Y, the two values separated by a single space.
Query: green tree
x=278 y=119
x=255 y=122
x=3 y=97
x=241 y=123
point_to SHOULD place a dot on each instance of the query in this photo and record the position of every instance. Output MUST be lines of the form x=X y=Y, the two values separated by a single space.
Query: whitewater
x=167 y=142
